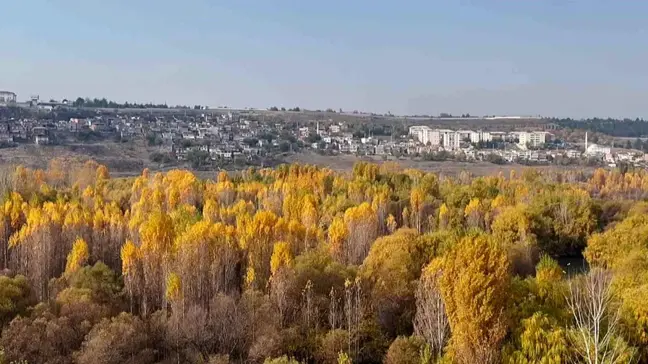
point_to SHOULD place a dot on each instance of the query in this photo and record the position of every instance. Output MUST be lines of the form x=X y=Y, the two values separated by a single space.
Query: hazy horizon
x=551 y=58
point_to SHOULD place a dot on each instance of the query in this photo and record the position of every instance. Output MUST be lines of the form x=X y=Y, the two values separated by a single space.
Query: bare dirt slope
x=345 y=162
x=119 y=157
x=132 y=157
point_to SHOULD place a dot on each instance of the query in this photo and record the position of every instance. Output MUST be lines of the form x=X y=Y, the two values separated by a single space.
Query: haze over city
x=551 y=58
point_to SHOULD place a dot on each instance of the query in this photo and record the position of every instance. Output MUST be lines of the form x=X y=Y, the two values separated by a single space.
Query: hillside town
x=206 y=138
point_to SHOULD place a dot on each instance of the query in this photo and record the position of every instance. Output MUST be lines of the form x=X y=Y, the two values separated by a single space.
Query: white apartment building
x=435 y=137
x=498 y=135
x=419 y=132
x=480 y=136
x=455 y=141
x=534 y=138
x=595 y=149
x=464 y=134
x=426 y=136
x=447 y=138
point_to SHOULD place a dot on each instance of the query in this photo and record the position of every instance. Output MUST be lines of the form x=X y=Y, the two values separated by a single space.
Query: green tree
x=122 y=339
x=405 y=350
x=15 y=297
x=541 y=341
x=281 y=360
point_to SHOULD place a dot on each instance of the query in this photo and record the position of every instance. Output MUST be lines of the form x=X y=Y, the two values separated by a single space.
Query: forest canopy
x=302 y=264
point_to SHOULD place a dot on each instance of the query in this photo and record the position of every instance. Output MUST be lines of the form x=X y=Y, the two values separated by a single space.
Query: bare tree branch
x=431 y=321
x=596 y=318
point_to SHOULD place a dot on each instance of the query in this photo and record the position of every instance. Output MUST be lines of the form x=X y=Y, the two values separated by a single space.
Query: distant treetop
x=103 y=103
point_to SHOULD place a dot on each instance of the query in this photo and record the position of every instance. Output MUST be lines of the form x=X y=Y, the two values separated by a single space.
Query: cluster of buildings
x=227 y=135
x=455 y=139
x=24 y=131
x=517 y=147
x=223 y=136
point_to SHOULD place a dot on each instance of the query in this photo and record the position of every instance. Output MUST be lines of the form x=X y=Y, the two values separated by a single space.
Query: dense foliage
x=103 y=103
x=301 y=264
x=620 y=128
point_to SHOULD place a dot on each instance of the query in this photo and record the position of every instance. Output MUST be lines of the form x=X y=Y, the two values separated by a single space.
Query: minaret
x=585 y=142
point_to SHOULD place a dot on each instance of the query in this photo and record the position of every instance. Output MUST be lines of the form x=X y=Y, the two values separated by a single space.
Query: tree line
x=628 y=128
x=109 y=104
x=301 y=264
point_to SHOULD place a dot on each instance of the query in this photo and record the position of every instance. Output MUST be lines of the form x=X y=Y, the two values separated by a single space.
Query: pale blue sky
x=555 y=57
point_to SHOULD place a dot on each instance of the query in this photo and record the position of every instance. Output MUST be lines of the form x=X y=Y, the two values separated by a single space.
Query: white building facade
x=533 y=139
x=480 y=136
x=446 y=138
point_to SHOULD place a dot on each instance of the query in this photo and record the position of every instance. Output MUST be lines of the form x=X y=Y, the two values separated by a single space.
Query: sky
x=567 y=58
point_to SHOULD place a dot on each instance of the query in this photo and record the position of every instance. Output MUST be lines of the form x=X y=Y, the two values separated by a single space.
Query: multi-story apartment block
x=480 y=136
x=448 y=139
x=533 y=139
x=419 y=133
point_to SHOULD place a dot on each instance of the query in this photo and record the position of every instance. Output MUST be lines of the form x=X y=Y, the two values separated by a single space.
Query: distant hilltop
x=511 y=117
x=103 y=104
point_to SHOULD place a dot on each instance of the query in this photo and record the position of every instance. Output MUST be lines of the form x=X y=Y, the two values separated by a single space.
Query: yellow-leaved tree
x=417 y=200
x=542 y=341
x=78 y=257
x=444 y=218
x=391 y=223
x=281 y=257
x=206 y=258
x=337 y=237
x=173 y=288
x=257 y=236
x=131 y=270
x=474 y=284
x=362 y=227
x=623 y=250
x=157 y=236
x=474 y=214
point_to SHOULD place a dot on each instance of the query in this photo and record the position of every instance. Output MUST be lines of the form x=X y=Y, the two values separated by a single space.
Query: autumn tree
x=257 y=237
x=361 y=224
x=392 y=267
x=431 y=321
x=206 y=259
x=280 y=264
x=417 y=201
x=337 y=239
x=378 y=264
x=564 y=218
x=514 y=227
x=333 y=342
x=405 y=350
x=474 y=214
x=122 y=339
x=596 y=320
x=541 y=341
x=157 y=237
x=474 y=284
x=77 y=257
x=41 y=338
